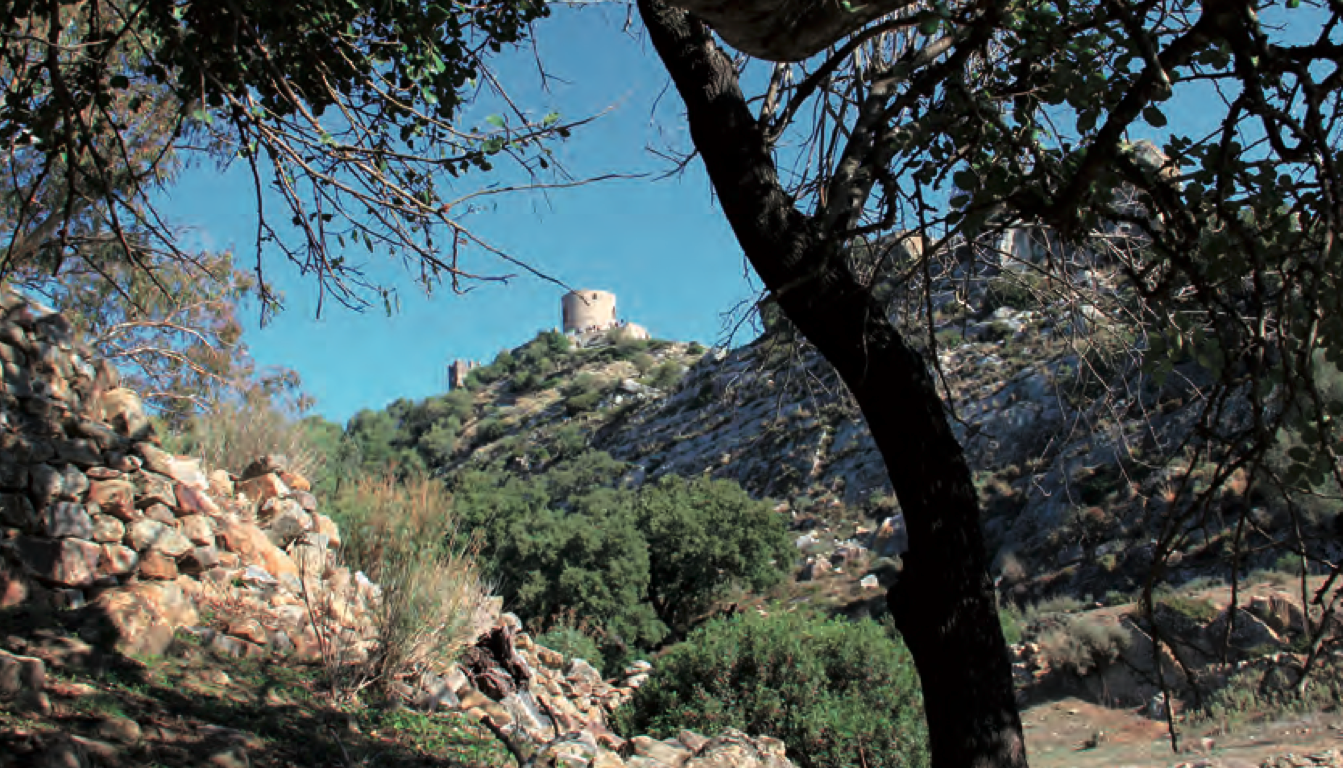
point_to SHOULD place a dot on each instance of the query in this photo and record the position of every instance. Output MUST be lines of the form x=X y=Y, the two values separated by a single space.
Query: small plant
x=1010 y=619
x=838 y=693
x=235 y=433
x=571 y=642
x=402 y=535
x=695 y=348
x=1084 y=644
x=1200 y=611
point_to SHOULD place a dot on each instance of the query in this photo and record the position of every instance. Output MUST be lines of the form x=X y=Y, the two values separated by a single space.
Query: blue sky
x=661 y=246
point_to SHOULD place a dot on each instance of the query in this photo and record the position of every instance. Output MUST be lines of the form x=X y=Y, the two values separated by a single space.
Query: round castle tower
x=587 y=310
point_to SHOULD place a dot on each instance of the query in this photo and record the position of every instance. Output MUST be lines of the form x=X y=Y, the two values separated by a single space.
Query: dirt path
x=1056 y=735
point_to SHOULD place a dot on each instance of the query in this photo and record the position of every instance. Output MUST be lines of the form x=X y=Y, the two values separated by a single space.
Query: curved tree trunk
x=944 y=603
x=786 y=30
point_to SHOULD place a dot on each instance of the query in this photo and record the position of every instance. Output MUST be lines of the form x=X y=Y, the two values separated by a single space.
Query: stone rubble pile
x=95 y=517
x=140 y=545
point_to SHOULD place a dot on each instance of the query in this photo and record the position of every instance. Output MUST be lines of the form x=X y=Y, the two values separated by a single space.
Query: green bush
x=706 y=537
x=839 y=694
x=665 y=375
x=695 y=348
x=1011 y=621
x=573 y=644
x=490 y=429
x=1083 y=644
x=1010 y=290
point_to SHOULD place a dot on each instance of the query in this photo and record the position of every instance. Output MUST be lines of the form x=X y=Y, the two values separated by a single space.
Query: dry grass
x=236 y=433
x=401 y=534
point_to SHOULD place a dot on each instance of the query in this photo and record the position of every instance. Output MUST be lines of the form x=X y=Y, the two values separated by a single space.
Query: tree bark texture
x=944 y=603
x=786 y=30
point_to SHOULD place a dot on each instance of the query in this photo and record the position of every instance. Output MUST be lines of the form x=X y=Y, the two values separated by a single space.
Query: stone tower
x=587 y=310
x=457 y=371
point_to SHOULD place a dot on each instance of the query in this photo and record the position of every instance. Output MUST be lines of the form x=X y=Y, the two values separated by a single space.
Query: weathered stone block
x=108 y=529
x=16 y=511
x=261 y=488
x=117 y=560
x=145 y=535
x=152 y=488
x=63 y=562
x=194 y=501
x=140 y=619
x=156 y=565
x=197 y=528
x=114 y=497
x=67 y=519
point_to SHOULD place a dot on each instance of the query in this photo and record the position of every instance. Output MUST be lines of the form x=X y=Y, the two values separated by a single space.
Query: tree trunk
x=786 y=30
x=944 y=603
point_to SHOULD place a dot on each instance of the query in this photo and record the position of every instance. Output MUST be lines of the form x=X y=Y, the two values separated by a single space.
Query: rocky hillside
x=1074 y=450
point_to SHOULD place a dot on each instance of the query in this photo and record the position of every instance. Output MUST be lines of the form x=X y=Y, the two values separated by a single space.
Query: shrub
x=235 y=433
x=1200 y=611
x=706 y=537
x=1010 y=620
x=1009 y=290
x=695 y=348
x=490 y=429
x=839 y=694
x=644 y=362
x=1084 y=644
x=573 y=644
x=403 y=537
x=666 y=375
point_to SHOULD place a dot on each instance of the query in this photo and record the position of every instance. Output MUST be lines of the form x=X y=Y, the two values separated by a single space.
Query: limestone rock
x=273 y=463
x=200 y=559
x=194 y=501
x=152 y=488
x=156 y=565
x=327 y=527
x=140 y=619
x=63 y=562
x=22 y=680
x=260 y=488
x=252 y=545
x=67 y=520
x=108 y=529
x=13 y=475
x=198 y=529
x=122 y=730
x=221 y=484
x=114 y=497
x=123 y=410
x=117 y=560
x=16 y=511
x=153 y=535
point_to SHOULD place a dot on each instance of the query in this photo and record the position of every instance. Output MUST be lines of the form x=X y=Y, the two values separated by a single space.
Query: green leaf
x=928 y=26
x=1154 y=117
x=495 y=120
x=119 y=81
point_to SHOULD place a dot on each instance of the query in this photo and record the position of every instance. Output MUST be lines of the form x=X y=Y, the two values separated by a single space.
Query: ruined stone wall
x=96 y=518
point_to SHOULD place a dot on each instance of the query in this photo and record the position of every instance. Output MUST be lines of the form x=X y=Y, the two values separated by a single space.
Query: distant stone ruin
x=589 y=318
x=457 y=371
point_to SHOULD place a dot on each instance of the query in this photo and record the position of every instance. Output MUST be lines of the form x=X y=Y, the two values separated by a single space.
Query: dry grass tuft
x=402 y=535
